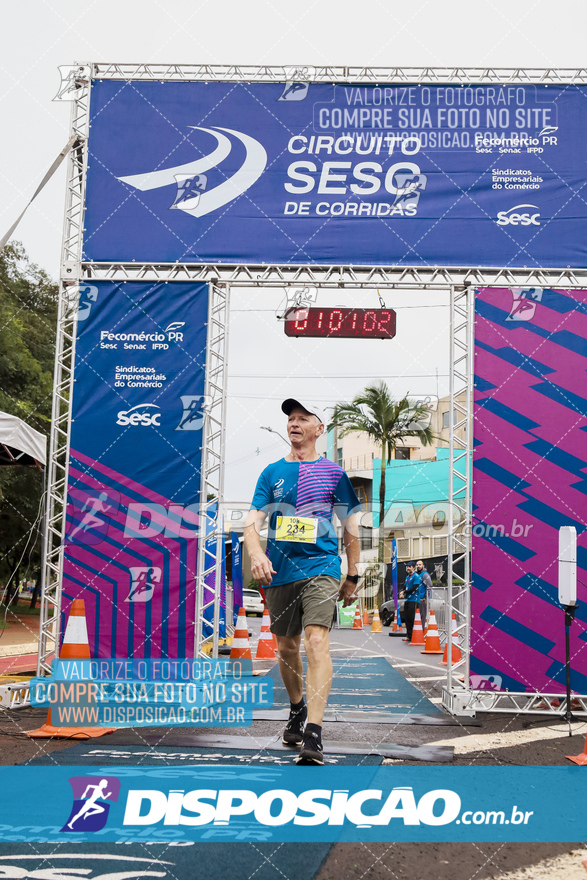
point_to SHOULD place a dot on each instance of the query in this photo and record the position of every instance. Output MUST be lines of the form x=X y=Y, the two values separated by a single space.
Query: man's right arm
x=261 y=567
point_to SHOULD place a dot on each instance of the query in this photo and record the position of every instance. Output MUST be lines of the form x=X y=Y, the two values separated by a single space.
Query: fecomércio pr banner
x=134 y=469
x=312 y=173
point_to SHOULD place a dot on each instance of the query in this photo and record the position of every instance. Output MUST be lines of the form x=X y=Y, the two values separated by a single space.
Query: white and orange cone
x=432 y=641
x=265 y=648
x=75 y=646
x=579 y=759
x=358 y=621
x=240 y=648
x=456 y=645
x=376 y=622
x=417 y=632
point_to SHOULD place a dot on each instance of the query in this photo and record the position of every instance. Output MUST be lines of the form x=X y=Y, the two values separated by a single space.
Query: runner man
x=301 y=570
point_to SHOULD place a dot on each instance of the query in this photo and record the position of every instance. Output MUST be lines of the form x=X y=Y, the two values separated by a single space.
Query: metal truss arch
x=276 y=275
x=461 y=281
x=343 y=74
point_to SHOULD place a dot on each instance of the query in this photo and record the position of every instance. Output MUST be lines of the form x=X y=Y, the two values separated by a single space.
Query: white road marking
x=428 y=678
x=487 y=742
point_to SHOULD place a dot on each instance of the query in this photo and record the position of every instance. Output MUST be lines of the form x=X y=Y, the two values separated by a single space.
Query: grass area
x=23 y=609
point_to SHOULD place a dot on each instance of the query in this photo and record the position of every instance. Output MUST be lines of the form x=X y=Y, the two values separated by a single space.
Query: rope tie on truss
x=73 y=139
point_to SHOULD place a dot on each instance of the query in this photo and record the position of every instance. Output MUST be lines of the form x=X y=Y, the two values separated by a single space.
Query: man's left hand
x=348 y=593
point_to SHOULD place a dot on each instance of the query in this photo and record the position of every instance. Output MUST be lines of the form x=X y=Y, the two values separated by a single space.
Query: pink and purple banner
x=530 y=473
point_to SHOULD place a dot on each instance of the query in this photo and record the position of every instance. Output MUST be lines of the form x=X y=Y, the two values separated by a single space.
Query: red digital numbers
x=340 y=323
x=301 y=319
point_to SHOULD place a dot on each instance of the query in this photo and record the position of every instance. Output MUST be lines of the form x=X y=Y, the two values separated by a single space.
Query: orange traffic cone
x=417 y=633
x=358 y=621
x=365 y=617
x=265 y=648
x=432 y=641
x=75 y=647
x=395 y=628
x=376 y=623
x=456 y=645
x=240 y=649
x=579 y=759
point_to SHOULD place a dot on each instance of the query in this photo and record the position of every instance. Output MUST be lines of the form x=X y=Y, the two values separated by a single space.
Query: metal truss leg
x=212 y=483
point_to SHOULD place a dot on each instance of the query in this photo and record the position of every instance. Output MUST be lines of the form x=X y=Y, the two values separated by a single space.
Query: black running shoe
x=311 y=751
x=293 y=733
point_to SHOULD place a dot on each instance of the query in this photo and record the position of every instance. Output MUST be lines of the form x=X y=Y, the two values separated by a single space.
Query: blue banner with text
x=124 y=804
x=300 y=173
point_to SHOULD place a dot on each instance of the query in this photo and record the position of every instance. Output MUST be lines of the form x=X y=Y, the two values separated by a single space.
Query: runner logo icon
x=525 y=300
x=143 y=580
x=91 y=795
x=189 y=189
x=294 y=91
x=192 y=418
x=407 y=185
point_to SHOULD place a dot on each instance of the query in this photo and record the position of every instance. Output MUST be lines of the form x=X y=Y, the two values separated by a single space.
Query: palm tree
x=387 y=421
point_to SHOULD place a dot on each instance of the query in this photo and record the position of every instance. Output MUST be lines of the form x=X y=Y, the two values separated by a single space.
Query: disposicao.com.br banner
x=124 y=804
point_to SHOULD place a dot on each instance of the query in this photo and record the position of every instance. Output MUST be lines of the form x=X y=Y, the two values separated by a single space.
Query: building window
x=339 y=455
x=366 y=537
x=402 y=453
x=360 y=492
x=446 y=416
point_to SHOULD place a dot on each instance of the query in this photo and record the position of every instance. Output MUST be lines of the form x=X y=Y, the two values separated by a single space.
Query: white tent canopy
x=19 y=443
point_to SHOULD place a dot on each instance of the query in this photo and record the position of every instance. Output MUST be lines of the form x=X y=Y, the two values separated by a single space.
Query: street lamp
x=272 y=431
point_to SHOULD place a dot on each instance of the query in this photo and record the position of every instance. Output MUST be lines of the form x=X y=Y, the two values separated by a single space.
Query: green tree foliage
x=386 y=421
x=28 y=317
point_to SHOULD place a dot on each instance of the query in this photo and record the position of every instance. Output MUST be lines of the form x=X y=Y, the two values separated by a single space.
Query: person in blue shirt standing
x=300 y=572
x=425 y=591
x=411 y=594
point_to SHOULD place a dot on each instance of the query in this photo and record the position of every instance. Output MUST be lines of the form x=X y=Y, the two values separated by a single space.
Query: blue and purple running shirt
x=312 y=489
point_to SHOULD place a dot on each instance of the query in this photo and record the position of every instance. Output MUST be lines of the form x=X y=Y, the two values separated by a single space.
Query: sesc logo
x=512 y=217
x=140 y=415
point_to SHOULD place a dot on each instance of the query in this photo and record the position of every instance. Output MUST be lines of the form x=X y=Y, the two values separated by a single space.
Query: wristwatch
x=353 y=578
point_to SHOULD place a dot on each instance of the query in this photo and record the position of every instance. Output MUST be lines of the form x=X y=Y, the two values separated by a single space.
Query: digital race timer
x=341 y=323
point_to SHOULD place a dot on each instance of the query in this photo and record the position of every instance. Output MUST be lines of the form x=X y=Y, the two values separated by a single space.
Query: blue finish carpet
x=365 y=683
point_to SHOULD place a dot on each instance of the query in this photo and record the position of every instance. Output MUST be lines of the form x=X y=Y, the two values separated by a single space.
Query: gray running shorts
x=294 y=606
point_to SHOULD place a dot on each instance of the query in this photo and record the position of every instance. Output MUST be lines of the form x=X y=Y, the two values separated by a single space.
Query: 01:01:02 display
x=341 y=323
